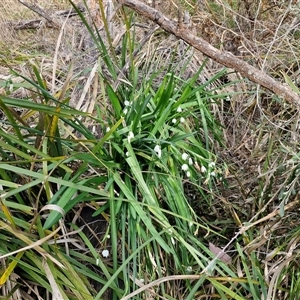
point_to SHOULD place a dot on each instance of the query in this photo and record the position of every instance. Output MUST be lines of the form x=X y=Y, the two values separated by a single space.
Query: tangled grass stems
x=149 y=159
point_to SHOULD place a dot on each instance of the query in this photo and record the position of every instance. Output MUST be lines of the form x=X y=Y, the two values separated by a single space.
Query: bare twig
x=36 y=23
x=39 y=11
x=223 y=57
x=26 y=24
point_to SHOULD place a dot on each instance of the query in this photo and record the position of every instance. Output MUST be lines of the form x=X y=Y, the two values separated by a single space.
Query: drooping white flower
x=126 y=103
x=203 y=169
x=157 y=149
x=213 y=174
x=159 y=154
x=105 y=253
x=130 y=136
x=179 y=109
x=182 y=119
x=189 y=269
x=174 y=121
x=184 y=156
x=212 y=164
x=188 y=174
x=107 y=129
x=127 y=153
x=191 y=162
x=184 y=167
x=125 y=111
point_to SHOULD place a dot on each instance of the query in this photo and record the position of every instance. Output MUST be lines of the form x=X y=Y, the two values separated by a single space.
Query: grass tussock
x=132 y=167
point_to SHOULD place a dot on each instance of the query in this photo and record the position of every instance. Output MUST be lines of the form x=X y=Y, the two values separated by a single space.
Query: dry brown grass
x=25 y=42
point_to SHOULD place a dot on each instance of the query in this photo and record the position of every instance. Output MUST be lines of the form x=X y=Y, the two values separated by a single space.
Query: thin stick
x=39 y=11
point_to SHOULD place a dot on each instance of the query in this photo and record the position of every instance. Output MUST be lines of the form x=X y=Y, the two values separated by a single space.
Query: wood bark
x=179 y=29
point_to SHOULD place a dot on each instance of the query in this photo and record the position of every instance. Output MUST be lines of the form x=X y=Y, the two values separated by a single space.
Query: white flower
x=179 y=109
x=211 y=164
x=127 y=153
x=125 y=111
x=107 y=129
x=188 y=174
x=174 y=121
x=189 y=269
x=184 y=167
x=190 y=162
x=127 y=103
x=157 y=149
x=159 y=154
x=182 y=119
x=130 y=136
x=184 y=156
x=105 y=253
x=203 y=169
x=213 y=174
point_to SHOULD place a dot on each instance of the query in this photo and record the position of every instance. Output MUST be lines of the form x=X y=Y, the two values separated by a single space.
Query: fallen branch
x=37 y=9
x=36 y=23
x=51 y=20
x=27 y=24
x=223 y=57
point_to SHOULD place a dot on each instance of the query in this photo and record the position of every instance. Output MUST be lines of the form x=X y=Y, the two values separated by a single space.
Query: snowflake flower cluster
x=210 y=170
x=182 y=119
x=185 y=166
x=127 y=106
x=212 y=165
